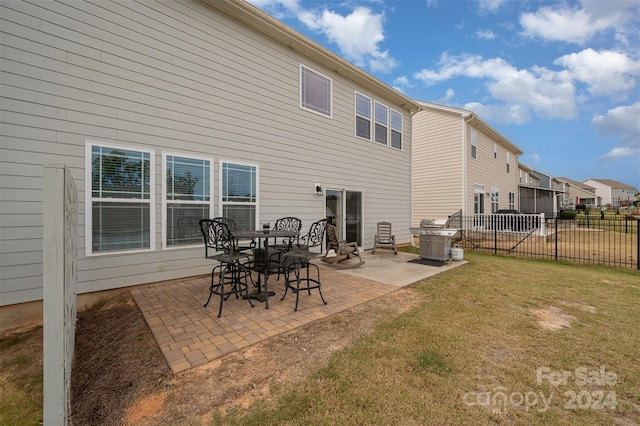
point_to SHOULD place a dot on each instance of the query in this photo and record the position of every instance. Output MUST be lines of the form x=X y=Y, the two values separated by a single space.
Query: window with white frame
x=508 y=162
x=512 y=200
x=474 y=144
x=238 y=193
x=495 y=200
x=187 y=196
x=120 y=201
x=396 y=129
x=495 y=150
x=381 y=113
x=315 y=91
x=363 y=116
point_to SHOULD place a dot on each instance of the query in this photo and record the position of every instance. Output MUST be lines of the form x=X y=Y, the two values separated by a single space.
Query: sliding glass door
x=344 y=211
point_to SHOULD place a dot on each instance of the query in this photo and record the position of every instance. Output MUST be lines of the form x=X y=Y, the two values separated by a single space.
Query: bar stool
x=300 y=274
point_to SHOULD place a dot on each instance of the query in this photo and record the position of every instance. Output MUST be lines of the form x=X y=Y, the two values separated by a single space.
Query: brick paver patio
x=191 y=335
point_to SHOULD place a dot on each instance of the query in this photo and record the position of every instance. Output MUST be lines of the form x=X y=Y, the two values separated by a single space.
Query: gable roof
x=251 y=16
x=613 y=183
x=575 y=183
x=471 y=117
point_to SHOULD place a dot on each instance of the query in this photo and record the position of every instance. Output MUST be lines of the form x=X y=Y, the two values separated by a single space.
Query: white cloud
x=357 y=35
x=622 y=120
x=578 y=25
x=605 y=72
x=485 y=35
x=490 y=5
x=522 y=93
x=448 y=95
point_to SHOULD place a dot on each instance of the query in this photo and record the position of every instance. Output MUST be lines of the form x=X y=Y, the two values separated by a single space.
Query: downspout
x=465 y=195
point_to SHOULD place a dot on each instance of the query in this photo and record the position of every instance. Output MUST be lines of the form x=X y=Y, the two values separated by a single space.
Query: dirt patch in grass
x=120 y=376
x=552 y=318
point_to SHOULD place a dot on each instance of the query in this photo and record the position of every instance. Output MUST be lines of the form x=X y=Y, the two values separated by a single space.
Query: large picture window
x=363 y=116
x=187 y=192
x=315 y=91
x=381 y=122
x=120 y=199
x=238 y=193
x=396 y=129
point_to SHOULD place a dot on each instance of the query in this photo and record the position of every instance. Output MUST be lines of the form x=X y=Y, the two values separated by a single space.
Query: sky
x=559 y=79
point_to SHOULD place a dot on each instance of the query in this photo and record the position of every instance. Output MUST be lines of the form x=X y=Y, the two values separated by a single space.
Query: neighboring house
x=613 y=193
x=167 y=112
x=578 y=193
x=460 y=163
x=539 y=192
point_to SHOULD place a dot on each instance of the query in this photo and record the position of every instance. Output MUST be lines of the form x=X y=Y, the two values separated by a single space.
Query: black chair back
x=217 y=236
x=316 y=235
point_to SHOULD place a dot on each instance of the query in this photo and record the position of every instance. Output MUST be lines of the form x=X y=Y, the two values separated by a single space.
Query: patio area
x=190 y=335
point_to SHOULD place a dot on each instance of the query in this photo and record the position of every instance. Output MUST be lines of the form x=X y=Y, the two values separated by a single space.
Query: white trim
x=356 y=115
x=88 y=199
x=220 y=180
x=163 y=194
x=329 y=79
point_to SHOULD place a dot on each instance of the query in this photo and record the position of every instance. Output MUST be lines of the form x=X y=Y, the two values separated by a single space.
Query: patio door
x=478 y=206
x=344 y=211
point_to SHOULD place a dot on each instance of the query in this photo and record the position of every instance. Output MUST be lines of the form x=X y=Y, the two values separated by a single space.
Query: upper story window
x=474 y=144
x=120 y=203
x=387 y=123
x=508 y=162
x=238 y=193
x=495 y=150
x=363 y=116
x=396 y=129
x=381 y=122
x=187 y=198
x=315 y=91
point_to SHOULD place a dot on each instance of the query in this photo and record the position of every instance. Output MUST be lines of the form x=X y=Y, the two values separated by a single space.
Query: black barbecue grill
x=435 y=238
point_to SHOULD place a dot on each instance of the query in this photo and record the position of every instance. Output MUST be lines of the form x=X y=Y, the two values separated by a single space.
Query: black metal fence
x=605 y=241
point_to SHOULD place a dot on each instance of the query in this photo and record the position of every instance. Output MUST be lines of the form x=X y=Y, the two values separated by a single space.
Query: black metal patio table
x=262 y=262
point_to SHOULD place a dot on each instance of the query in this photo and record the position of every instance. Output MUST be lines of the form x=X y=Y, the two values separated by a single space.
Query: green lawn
x=473 y=353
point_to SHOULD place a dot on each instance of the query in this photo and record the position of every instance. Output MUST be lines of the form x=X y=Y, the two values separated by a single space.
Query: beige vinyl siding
x=438 y=167
x=489 y=171
x=173 y=76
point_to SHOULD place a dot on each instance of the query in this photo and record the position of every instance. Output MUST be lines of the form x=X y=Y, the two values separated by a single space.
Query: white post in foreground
x=59 y=290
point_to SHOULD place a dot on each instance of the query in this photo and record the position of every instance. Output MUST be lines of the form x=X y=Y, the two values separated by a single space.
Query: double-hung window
x=187 y=189
x=512 y=200
x=315 y=91
x=474 y=144
x=508 y=162
x=238 y=193
x=120 y=204
x=381 y=122
x=363 y=116
x=396 y=129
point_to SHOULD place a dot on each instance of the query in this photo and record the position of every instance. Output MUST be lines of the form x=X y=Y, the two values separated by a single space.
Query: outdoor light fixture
x=318 y=190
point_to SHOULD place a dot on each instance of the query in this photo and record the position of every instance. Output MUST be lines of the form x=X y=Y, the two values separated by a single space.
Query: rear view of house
x=460 y=164
x=167 y=112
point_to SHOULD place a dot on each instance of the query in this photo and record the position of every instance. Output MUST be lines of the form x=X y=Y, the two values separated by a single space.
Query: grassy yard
x=501 y=340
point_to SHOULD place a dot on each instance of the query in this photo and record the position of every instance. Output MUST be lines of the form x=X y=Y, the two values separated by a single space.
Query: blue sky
x=561 y=80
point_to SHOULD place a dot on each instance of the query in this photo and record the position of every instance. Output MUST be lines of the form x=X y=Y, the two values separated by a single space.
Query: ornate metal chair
x=300 y=274
x=384 y=237
x=232 y=274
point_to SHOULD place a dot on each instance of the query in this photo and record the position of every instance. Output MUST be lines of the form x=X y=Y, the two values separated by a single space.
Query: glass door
x=344 y=211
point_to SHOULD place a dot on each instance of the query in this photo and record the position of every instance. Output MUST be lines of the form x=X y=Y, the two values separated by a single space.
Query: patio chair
x=232 y=274
x=339 y=250
x=313 y=239
x=280 y=247
x=384 y=237
x=300 y=274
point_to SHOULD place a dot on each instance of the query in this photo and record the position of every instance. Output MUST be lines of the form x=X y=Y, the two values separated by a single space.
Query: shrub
x=581 y=207
x=568 y=214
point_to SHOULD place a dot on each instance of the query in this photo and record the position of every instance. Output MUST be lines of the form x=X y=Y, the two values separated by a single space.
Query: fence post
x=556 y=238
x=494 y=220
x=638 y=243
